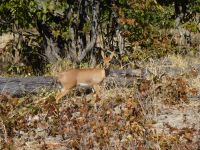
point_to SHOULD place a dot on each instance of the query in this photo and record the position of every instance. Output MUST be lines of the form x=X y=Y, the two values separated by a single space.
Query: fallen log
x=21 y=86
x=18 y=86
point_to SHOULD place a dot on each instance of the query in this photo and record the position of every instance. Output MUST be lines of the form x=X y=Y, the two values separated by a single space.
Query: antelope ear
x=102 y=54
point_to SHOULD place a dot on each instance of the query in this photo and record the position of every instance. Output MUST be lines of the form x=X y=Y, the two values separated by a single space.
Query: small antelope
x=83 y=77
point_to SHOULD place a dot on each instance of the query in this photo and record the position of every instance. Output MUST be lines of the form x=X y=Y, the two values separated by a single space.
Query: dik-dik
x=83 y=77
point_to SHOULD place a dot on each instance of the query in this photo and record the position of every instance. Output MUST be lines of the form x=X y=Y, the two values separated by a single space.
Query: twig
x=2 y=125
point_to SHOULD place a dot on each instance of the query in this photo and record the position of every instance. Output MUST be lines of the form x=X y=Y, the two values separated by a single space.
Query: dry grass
x=5 y=39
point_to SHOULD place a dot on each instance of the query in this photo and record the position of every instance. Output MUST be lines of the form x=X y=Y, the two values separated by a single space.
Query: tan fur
x=73 y=77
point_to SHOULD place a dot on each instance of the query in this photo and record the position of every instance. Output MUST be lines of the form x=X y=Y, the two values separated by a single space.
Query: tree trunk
x=80 y=46
x=180 y=10
x=49 y=45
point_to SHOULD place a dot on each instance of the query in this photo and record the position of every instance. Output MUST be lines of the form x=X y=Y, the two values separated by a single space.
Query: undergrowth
x=124 y=118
